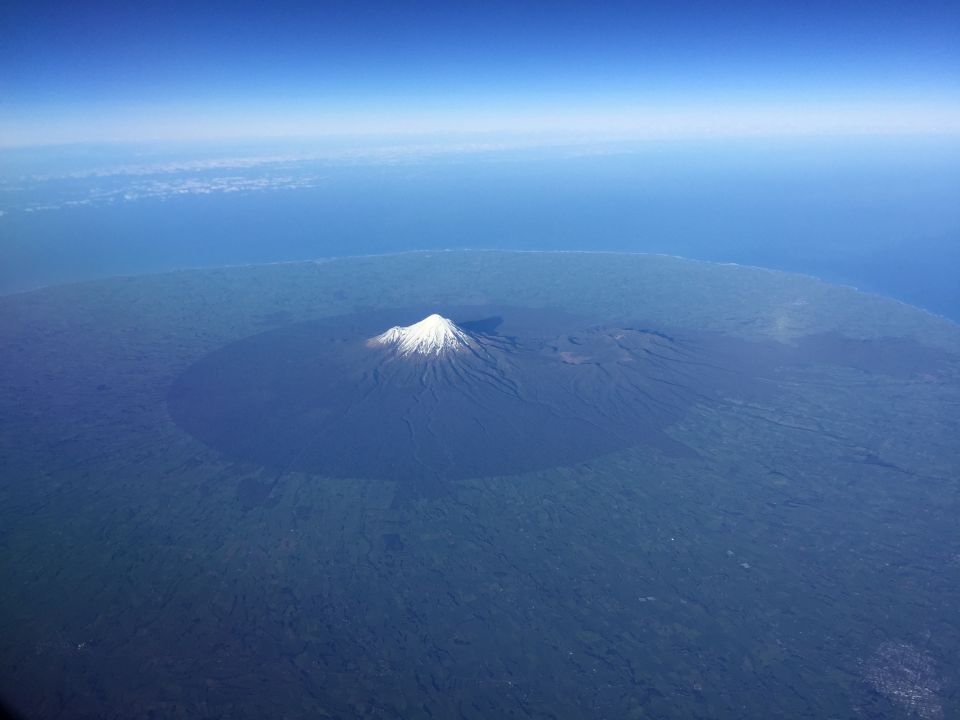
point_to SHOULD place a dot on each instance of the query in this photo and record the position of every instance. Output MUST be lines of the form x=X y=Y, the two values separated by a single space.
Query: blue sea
x=882 y=214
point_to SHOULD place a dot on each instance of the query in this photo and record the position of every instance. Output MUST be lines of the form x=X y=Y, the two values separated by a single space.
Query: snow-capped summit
x=434 y=335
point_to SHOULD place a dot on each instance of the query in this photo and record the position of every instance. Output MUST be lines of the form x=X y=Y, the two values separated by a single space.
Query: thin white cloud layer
x=166 y=189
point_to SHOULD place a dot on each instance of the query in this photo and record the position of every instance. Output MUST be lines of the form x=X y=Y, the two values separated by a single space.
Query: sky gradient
x=145 y=71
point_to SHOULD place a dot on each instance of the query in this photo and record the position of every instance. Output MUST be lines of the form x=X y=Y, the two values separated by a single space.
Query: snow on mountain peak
x=434 y=335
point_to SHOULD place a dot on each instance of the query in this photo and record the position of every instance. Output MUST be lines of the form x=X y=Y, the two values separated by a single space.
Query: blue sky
x=73 y=72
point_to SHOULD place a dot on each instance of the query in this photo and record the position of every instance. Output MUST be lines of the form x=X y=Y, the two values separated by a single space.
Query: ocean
x=880 y=214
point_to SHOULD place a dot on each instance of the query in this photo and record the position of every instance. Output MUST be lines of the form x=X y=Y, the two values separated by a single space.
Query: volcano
x=500 y=392
x=433 y=336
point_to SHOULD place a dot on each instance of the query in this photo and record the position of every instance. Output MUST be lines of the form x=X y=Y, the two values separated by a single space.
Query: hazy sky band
x=133 y=124
x=134 y=71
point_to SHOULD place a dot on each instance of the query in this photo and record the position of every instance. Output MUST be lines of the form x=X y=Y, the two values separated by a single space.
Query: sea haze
x=879 y=214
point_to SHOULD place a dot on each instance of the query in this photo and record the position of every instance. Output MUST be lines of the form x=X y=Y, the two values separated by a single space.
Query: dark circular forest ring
x=539 y=389
x=546 y=390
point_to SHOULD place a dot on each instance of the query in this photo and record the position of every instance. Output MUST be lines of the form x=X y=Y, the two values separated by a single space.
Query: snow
x=433 y=336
